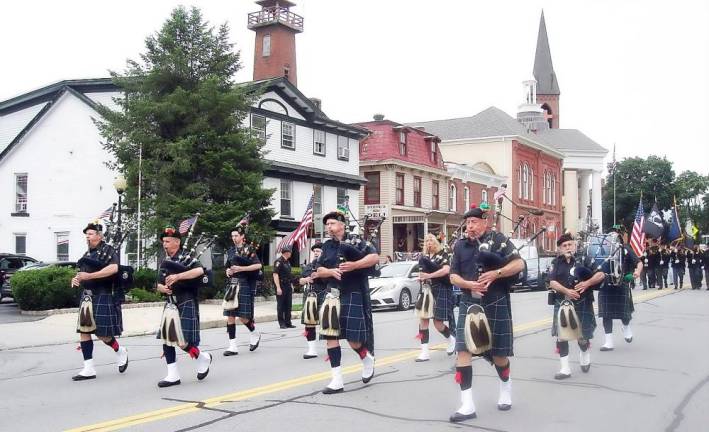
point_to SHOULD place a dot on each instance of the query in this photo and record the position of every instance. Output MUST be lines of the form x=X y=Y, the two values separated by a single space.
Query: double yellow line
x=186 y=408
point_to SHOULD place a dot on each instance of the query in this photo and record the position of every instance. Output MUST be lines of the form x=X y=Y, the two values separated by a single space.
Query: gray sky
x=631 y=72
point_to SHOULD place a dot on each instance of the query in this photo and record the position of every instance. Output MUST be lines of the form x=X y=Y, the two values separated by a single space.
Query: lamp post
x=120 y=184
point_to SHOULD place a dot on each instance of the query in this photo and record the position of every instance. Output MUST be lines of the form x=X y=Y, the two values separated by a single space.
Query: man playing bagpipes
x=282 y=279
x=98 y=313
x=243 y=266
x=313 y=297
x=484 y=266
x=344 y=268
x=573 y=319
x=180 y=277
x=436 y=295
x=615 y=299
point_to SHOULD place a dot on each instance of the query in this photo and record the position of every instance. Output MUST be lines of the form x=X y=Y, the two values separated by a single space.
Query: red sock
x=362 y=351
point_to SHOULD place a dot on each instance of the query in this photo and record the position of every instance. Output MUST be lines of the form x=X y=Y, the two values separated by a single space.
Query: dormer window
x=402 y=143
x=433 y=152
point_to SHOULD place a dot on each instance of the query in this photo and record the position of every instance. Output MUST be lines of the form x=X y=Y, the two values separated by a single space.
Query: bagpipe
x=187 y=257
x=604 y=252
x=234 y=283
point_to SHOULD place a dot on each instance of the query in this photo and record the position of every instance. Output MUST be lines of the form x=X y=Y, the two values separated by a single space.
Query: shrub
x=267 y=283
x=48 y=288
x=140 y=295
x=145 y=278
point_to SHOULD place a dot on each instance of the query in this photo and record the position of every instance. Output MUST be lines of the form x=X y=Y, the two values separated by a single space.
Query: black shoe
x=290 y=326
x=328 y=390
x=309 y=356
x=504 y=407
x=254 y=346
x=368 y=379
x=163 y=384
x=628 y=340
x=283 y=326
x=458 y=417
x=606 y=349
x=122 y=368
x=585 y=368
x=82 y=377
x=228 y=353
x=561 y=376
x=419 y=360
x=203 y=375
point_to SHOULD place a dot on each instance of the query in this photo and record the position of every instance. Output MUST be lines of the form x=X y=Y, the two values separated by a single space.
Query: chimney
x=317 y=102
x=378 y=117
x=274 y=52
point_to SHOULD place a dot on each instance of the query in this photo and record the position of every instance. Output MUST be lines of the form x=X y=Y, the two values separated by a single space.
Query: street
x=658 y=382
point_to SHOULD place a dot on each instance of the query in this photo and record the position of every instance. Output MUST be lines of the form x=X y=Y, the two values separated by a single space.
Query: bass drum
x=605 y=251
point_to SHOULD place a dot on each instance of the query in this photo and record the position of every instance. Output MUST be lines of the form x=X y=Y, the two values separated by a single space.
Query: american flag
x=637 y=238
x=106 y=213
x=186 y=224
x=300 y=235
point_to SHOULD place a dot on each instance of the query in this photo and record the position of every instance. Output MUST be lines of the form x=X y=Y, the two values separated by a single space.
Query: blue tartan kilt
x=443 y=293
x=247 y=292
x=189 y=320
x=499 y=316
x=321 y=298
x=109 y=321
x=584 y=310
x=615 y=302
x=353 y=325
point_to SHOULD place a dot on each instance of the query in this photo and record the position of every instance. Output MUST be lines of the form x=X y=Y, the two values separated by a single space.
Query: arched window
x=451 y=198
x=552 y=189
x=483 y=198
x=466 y=199
x=525 y=181
x=519 y=182
x=531 y=184
x=547 y=187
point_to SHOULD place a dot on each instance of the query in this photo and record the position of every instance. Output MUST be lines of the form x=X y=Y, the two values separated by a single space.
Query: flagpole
x=614 y=169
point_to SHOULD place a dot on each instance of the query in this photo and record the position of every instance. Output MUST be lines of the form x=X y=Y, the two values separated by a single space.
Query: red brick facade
x=282 y=60
x=552 y=101
x=419 y=148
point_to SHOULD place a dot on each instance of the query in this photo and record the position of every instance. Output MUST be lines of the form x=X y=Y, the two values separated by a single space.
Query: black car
x=9 y=264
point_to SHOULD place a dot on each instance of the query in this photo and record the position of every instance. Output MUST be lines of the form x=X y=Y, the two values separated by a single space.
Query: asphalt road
x=659 y=382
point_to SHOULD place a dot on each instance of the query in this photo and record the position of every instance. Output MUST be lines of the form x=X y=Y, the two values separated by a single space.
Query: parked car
x=397 y=286
x=536 y=267
x=9 y=264
x=42 y=264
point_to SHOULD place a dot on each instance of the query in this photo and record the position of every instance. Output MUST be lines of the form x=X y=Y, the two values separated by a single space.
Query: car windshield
x=395 y=270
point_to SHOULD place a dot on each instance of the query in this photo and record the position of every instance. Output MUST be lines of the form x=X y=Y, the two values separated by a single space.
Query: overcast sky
x=631 y=72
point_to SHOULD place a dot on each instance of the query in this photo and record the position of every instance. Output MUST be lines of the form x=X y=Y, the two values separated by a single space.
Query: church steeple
x=547 y=85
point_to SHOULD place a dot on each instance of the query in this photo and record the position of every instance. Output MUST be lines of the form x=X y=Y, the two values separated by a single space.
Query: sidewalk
x=137 y=321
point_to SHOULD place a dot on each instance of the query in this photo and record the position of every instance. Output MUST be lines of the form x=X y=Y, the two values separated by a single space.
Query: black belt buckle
x=551 y=298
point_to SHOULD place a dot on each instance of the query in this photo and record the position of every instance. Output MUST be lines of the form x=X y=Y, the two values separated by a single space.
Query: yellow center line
x=186 y=408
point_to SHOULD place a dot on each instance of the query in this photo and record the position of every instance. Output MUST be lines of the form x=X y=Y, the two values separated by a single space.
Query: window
x=266 y=51
x=433 y=151
x=317 y=208
x=20 y=243
x=519 y=182
x=452 y=198
x=547 y=188
x=417 y=191
x=343 y=148
x=402 y=143
x=531 y=184
x=319 y=142
x=466 y=199
x=525 y=181
x=400 y=188
x=371 y=189
x=434 y=195
x=62 y=246
x=483 y=196
x=258 y=127
x=21 y=193
x=288 y=135
x=553 y=189
x=341 y=195
x=286 y=197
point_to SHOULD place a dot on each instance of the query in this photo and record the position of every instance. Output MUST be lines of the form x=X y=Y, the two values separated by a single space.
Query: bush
x=145 y=278
x=267 y=283
x=48 y=288
x=140 y=295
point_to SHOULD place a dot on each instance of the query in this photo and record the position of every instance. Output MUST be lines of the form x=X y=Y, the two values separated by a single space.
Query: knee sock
x=625 y=321
x=563 y=348
x=231 y=330
x=169 y=353
x=310 y=334
x=250 y=325
x=113 y=343
x=446 y=332
x=464 y=377
x=87 y=349
x=335 y=355
x=362 y=351
x=192 y=350
x=424 y=334
x=504 y=371
x=583 y=345
x=607 y=325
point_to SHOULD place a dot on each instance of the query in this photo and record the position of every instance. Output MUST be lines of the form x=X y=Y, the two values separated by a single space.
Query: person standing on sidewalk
x=282 y=279
x=99 y=284
x=243 y=268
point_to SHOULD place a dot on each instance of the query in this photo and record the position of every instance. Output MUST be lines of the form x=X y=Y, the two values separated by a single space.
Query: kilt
x=353 y=325
x=108 y=317
x=499 y=315
x=443 y=293
x=189 y=320
x=615 y=302
x=321 y=298
x=584 y=310
x=247 y=293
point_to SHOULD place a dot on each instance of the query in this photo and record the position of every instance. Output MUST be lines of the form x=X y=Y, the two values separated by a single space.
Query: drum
x=605 y=251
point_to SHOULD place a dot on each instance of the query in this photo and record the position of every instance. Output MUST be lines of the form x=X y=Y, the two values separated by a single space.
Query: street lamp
x=120 y=184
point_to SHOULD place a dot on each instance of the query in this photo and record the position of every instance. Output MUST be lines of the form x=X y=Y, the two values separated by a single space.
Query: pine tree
x=183 y=112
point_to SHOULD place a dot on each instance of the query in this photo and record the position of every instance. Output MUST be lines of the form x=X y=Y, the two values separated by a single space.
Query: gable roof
x=570 y=140
x=547 y=83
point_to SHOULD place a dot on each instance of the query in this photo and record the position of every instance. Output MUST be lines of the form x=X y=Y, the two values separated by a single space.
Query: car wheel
x=404 y=300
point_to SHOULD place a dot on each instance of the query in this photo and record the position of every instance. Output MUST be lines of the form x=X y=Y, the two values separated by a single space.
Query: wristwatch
x=499 y=272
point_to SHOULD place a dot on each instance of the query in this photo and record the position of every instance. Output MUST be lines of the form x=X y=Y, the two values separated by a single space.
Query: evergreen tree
x=183 y=113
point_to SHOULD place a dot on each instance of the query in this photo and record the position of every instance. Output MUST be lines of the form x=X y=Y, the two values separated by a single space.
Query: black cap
x=475 y=212
x=334 y=215
x=564 y=238
x=620 y=229
x=287 y=248
x=95 y=225
x=317 y=245
x=241 y=229
x=170 y=231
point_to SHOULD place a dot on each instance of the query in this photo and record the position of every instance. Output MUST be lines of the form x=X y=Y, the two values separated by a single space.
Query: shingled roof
x=547 y=83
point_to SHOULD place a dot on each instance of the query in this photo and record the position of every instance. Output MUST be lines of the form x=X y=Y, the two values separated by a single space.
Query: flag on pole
x=300 y=235
x=675 y=230
x=653 y=226
x=186 y=224
x=106 y=213
x=637 y=238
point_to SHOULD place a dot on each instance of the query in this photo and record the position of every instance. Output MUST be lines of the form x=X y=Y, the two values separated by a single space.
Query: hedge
x=48 y=288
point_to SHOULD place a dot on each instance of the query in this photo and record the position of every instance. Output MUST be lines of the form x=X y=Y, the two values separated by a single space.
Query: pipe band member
x=309 y=278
